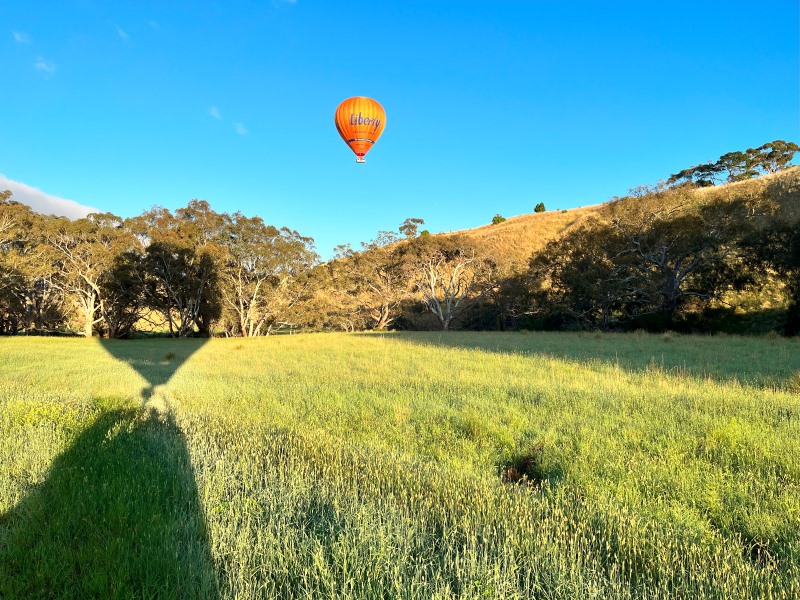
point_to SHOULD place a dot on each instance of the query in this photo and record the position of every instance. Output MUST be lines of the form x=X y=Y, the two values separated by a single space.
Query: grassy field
x=404 y=465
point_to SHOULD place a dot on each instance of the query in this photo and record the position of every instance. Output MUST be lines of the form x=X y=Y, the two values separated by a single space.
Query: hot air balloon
x=360 y=122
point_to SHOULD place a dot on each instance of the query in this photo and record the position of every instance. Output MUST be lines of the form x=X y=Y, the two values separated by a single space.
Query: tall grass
x=404 y=465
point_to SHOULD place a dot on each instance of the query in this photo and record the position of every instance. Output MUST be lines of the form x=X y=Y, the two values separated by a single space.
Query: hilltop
x=516 y=239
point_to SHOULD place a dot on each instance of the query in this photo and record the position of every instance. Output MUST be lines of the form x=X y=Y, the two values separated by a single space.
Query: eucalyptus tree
x=377 y=279
x=682 y=249
x=259 y=273
x=410 y=226
x=122 y=289
x=82 y=252
x=776 y=155
x=585 y=276
x=451 y=276
x=180 y=265
x=29 y=298
x=777 y=250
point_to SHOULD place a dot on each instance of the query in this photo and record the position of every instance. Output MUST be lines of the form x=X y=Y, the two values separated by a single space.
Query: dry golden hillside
x=516 y=239
x=782 y=187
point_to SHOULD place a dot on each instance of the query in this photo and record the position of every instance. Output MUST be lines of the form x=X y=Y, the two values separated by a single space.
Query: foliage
x=658 y=254
x=451 y=275
x=661 y=258
x=767 y=158
x=497 y=219
x=195 y=268
x=778 y=248
x=370 y=284
x=539 y=208
x=409 y=227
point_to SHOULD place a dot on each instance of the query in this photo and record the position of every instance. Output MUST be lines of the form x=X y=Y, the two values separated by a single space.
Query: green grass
x=404 y=465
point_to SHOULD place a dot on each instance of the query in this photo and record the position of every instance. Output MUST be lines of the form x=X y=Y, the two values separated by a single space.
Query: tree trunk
x=383 y=320
x=89 y=310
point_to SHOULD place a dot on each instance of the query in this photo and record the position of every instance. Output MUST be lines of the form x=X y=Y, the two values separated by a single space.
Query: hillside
x=518 y=237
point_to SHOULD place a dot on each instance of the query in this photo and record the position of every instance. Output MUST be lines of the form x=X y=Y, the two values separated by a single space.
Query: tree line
x=185 y=273
x=739 y=165
x=661 y=257
x=664 y=259
x=195 y=271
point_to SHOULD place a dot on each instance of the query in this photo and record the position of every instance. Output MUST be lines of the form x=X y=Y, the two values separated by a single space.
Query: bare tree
x=451 y=278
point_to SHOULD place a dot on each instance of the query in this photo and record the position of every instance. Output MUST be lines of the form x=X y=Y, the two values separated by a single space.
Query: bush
x=539 y=207
x=498 y=219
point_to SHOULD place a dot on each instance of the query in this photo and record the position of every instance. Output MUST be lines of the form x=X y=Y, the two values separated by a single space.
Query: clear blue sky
x=491 y=106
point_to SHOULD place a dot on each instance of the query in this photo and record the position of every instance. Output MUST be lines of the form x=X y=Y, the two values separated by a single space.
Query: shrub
x=539 y=207
x=498 y=219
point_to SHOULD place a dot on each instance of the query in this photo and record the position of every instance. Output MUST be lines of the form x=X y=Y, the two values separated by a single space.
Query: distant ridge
x=514 y=241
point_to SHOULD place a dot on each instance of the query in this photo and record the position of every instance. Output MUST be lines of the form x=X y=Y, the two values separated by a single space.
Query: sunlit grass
x=415 y=465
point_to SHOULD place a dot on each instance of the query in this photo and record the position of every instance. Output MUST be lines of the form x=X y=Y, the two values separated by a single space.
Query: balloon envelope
x=360 y=122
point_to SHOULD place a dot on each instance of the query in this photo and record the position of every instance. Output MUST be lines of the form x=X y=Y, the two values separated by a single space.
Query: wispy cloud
x=238 y=127
x=120 y=32
x=44 y=203
x=45 y=66
x=21 y=37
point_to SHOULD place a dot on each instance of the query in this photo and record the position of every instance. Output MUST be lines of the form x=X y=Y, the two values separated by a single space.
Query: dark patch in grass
x=323 y=521
x=532 y=467
x=759 y=553
x=169 y=356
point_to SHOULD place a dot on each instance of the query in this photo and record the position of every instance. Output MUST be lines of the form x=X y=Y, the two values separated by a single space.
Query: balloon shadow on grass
x=117 y=517
x=155 y=359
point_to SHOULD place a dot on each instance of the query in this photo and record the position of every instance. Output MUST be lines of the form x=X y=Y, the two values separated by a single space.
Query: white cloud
x=241 y=129
x=45 y=66
x=214 y=112
x=42 y=202
x=121 y=32
x=21 y=37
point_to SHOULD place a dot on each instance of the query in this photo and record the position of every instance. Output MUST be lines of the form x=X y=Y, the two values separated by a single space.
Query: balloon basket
x=360 y=159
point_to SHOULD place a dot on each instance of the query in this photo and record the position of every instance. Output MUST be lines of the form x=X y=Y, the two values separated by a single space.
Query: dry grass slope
x=513 y=241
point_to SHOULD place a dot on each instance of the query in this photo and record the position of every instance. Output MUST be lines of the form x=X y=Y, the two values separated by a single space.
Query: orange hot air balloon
x=360 y=122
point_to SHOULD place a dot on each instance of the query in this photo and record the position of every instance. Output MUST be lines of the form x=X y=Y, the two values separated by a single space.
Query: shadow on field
x=156 y=360
x=755 y=361
x=117 y=517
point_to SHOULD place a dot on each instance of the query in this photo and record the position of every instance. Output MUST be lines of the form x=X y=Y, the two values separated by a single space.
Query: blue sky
x=491 y=106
